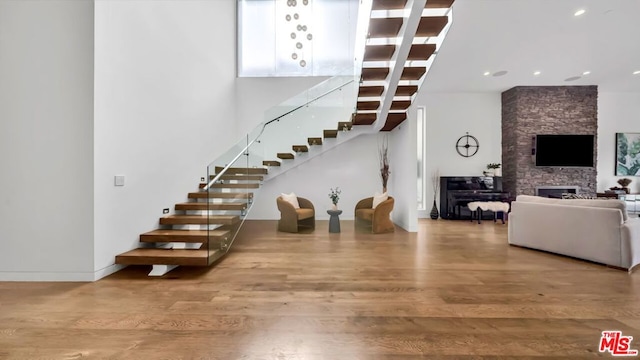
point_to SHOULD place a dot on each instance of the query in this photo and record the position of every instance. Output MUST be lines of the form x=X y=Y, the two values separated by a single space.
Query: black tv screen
x=564 y=150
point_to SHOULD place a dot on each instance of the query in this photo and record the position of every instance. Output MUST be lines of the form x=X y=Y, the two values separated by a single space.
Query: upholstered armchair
x=291 y=219
x=378 y=218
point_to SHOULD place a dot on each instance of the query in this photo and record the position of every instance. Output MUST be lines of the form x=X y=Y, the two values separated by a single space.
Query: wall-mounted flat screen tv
x=564 y=150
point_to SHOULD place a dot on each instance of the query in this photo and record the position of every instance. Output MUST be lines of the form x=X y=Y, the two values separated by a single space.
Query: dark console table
x=457 y=191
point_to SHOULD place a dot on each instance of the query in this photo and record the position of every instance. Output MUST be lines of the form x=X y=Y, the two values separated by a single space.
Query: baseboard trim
x=35 y=276
x=104 y=272
x=405 y=226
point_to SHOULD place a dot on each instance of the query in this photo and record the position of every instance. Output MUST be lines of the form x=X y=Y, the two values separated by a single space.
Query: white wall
x=46 y=140
x=352 y=166
x=165 y=107
x=167 y=103
x=254 y=96
x=617 y=112
x=403 y=178
x=450 y=116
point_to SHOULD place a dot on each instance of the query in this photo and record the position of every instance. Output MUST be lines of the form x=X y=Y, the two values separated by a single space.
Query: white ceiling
x=523 y=36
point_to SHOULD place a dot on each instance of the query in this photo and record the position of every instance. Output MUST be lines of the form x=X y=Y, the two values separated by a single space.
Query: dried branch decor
x=435 y=182
x=383 y=155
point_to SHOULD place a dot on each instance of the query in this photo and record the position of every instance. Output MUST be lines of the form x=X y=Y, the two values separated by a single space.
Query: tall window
x=422 y=181
x=296 y=37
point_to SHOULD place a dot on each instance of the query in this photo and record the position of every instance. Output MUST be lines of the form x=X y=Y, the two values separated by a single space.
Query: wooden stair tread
x=199 y=220
x=421 y=51
x=210 y=206
x=236 y=171
x=364 y=119
x=150 y=256
x=368 y=105
x=271 y=163
x=431 y=26
x=379 y=52
x=393 y=120
x=413 y=73
x=438 y=4
x=400 y=104
x=384 y=27
x=345 y=124
x=388 y=4
x=369 y=91
x=330 y=133
x=239 y=177
x=236 y=186
x=220 y=195
x=300 y=148
x=372 y=74
x=314 y=141
x=285 y=156
x=406 y=90
x=190 y=236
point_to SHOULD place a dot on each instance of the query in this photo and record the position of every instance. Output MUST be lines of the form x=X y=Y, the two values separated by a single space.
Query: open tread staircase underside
x=370 y=95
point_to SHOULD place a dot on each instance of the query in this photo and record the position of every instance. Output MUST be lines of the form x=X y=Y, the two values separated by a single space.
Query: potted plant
x=494 y=169
x=334 y=195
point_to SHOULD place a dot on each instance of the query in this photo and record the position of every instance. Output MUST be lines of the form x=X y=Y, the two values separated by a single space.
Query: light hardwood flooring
x=454 y=290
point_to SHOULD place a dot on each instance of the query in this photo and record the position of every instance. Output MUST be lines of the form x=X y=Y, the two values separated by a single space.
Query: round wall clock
x=467 y=145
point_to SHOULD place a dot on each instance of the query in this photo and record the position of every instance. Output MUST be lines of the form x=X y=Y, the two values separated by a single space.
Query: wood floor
x=454 y=290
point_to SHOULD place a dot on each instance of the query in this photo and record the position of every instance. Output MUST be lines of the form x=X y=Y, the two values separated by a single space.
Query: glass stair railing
x=292 y=129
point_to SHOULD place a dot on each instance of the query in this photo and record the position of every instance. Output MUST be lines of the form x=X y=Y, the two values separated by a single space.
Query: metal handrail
x=244 y=151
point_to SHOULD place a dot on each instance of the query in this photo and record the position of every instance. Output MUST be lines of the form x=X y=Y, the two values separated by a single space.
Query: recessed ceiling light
x=579 y=12
x=586 y=73
x=636 y=72
x=487 y=73
x=500 y=73
x=537 y=73
x=573 y=78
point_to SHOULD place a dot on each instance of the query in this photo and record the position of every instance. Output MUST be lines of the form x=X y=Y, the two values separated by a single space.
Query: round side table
x=334 y=221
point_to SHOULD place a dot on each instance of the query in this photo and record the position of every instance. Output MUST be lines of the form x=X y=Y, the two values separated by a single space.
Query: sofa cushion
x=609 y=203
x=291 y=199
x=304 y=213
x=366 y=214
x=378 y=199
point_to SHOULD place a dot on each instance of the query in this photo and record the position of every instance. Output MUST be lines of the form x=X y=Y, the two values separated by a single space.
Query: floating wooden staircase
x=201 y=230
x=312 y=141
x=383 y=42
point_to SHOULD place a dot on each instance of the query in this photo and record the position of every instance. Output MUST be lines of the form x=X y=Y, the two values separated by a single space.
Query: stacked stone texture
x=532 y=110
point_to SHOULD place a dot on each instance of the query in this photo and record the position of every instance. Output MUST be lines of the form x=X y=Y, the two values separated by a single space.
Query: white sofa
x=595 y=230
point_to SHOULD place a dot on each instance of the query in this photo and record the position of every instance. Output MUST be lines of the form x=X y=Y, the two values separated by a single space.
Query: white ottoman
x=500 y=209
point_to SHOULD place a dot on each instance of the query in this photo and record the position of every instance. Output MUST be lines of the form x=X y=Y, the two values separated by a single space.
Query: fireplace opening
x=556 y=191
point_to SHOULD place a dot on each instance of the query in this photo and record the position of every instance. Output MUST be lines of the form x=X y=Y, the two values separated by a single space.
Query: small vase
x=334 y=207
x=434 y=211
x=497 y=172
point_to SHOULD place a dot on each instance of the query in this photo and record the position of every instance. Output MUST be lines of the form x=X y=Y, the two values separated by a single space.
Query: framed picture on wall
x=627 y=154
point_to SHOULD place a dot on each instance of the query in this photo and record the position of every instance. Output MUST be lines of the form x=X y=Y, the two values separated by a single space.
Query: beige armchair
x=378 y=218
x=291 y=218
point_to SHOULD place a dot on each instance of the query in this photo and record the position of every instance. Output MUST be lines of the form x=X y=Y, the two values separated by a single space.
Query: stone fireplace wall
x=531 y=110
